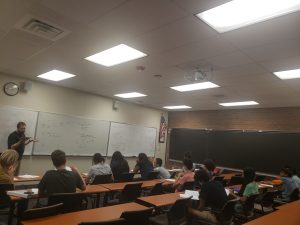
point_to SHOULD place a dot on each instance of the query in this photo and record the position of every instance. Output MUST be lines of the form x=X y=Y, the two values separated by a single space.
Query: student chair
x=71 y=201
x=6 y=205
x=139 y=217
x=119 y=221
x=260 y=178
x=153 y=175
x=103 y=179
x=126 y=177
x=157 y=189
x=295 y=195
x=265 y=202
x=248 y=208
x=235 y=180
x=129 y=194
x=188 y=186
x=176 y=215
x=42 y=212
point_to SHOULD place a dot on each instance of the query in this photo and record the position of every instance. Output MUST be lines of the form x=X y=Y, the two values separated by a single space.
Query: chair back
x=235 y=180
x=177 y=215
x=267 y=199
x=152 y=175
x=219 y=178
x=71 y=201
x=42 y=212
x=4 y=198
x=188 y=186
x=249 y=203
x=157 y=189
x=126 y=177
x=131 y=192
x=295 y=195
x=139 y=217
x=119 y=221
x=102 y=179
x=227 y=211
x=260 y=178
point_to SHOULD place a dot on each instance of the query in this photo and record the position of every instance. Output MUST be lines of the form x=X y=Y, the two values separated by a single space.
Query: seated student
x=163 y=172
x=118 y=165
x=186 y=176
x=210 y=167
x=295 y=176
x=8 y=163
x=60 y=180
x=212 y=195
x=99 y=167
x=143 y=165
x=249 y=187
x=288 y=184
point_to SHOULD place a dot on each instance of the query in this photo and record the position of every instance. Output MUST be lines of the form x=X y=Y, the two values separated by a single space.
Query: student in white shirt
x=163 y=172
x=99 y=167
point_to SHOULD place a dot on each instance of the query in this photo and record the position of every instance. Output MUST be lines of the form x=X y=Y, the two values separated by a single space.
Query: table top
x=18 y=179
x=285 y=215
x=160 y=200
x=227 y=176
x=146 y=184
x=91 y=215
x=90 y=189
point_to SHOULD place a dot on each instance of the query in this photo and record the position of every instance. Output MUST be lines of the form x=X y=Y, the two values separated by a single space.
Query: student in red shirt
x=186 y=176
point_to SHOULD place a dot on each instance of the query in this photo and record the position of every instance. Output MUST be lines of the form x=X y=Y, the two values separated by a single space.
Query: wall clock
x=11 y=89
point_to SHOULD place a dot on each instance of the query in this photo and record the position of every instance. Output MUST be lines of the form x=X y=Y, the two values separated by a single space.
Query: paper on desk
x=265 y=185
x=188 y=193
x=227 y=191
x=21 y=193
x=84 y=174
x=27 y=176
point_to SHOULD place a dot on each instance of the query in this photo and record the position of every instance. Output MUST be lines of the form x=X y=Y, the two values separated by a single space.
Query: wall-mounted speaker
x=25 y=86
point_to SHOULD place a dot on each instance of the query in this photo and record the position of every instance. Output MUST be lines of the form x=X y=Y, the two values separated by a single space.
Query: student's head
x=98 y=158
x=158 y=162
x=8 y=158
x=187 y=164
x=286 y=172
x=21 y=127
x=201 y=175
x=249 y=174
x=209 y=164
x=117 y=156
x=143 y=158
x=58 y=158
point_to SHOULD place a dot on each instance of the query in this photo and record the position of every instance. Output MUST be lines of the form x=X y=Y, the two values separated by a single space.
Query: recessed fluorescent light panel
x=177 y=107
x=288 y=74
x=56 y=75
x=239 y=103
x=130 y=95
x=116 y=55
x=240 y=13
x=194 y=87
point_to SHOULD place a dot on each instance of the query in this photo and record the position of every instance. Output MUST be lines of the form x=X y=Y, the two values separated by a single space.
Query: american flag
x=162 y=129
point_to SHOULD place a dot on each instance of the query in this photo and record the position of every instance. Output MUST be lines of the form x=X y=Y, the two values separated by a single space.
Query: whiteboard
x=73 y=135
x=9 y=117
x=131 y=140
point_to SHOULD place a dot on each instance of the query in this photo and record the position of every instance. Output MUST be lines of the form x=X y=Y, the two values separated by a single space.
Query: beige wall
x=50 y=98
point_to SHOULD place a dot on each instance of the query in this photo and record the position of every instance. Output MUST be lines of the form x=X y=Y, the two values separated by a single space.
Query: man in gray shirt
x=99 y=167
x=163 y=172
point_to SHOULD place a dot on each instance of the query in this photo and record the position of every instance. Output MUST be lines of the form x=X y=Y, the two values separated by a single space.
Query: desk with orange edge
x=91 y=215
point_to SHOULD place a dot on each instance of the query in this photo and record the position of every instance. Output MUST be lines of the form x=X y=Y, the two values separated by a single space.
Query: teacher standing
x=17 y=141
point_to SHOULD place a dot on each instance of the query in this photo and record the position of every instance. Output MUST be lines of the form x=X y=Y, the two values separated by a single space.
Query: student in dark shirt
x=60 y=180
x=143 y=165
x=212 y=194
x=118 y=165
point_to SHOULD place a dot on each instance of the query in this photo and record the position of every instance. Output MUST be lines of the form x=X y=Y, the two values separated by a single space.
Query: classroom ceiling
x=175 y=41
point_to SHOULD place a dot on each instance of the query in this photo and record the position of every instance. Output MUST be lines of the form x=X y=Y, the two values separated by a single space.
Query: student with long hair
x=143 y=165
x=118 y=165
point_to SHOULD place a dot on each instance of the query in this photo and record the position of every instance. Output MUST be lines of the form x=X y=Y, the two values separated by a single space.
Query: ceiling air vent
x=41 y=28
